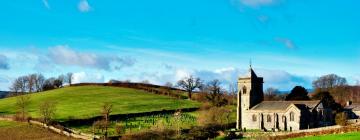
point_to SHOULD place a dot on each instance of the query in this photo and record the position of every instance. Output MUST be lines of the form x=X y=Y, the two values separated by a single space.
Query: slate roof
x=353 y=107
x=283 y=105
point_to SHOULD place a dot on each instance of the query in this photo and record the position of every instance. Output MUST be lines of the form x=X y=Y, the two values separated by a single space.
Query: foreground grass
x=139 y=124
x=345 y=136
x=22 y=131
x=86 y=101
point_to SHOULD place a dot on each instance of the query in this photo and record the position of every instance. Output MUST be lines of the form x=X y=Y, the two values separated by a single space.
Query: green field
x=86 y=101
x=10 y=130
x=185 y=121
x=345 y=136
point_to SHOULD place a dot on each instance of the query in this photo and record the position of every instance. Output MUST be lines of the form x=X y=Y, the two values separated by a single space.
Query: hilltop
x=80 y=102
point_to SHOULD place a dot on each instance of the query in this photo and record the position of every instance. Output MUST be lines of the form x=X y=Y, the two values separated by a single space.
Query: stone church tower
x=250 y=93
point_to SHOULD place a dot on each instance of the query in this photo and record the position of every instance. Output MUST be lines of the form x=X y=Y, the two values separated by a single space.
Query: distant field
x=86 y=101
x=22 y=131
x=345 y=136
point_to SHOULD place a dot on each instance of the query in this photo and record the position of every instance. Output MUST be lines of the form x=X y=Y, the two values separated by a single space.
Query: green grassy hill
x=86 y=101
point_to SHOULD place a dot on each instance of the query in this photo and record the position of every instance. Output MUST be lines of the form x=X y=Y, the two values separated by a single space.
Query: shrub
x=119 y=129
x=341 y=119
x=215 y=115
x=202 y=132
x=47 y=111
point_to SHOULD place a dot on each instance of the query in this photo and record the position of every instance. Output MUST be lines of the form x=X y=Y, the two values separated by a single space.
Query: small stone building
x=254 y=113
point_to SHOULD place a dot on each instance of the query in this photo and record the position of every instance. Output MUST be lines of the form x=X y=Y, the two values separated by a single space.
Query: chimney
x=348 y=103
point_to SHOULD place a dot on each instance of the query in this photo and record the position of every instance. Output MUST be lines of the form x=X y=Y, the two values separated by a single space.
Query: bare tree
x=69 y=78
x=59 y=82
x=39 y=82
x=31 y=81
x=271 y=94
x=232 y=88
x=22 y=103
x=19 y=85
x=47 y=111
x=105 y=111
x=329 y=81
x=168 y=84
x=145 y=82
x=215 y=93
x=189 y=84
x=49 y=84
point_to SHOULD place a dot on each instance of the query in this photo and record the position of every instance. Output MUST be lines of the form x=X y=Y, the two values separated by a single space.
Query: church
x=255 y=113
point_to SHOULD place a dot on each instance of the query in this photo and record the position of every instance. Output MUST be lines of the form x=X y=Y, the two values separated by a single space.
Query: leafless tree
x=69 y=78
x=39 y=82
x=145 y=82
x=329 y=81
x=31 y=81
x=19 y=85
x=22 y=103
x=215 y=93
x=189 y=84
x=168 y=84
x=105 y=111
x=59 y=82
x=49 y=84
x=232 y=88
x=271 y=94
x=47 y=111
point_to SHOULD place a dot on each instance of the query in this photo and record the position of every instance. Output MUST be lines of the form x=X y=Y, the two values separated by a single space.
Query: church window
x=283 y=118
x=292 y=116
x=268 y=118
x=244 y=90
x=254 y=118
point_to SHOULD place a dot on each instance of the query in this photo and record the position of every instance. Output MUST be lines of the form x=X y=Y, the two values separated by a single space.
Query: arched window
x=292 y=116
x=283 y=118
x=268 y=118
x=254 y=118
x=244 y=90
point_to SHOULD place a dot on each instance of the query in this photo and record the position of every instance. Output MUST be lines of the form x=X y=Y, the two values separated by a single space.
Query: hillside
x=85 y=102
x=10 y=130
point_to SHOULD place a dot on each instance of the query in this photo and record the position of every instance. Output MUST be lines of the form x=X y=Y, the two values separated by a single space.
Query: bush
x=203 y=132
x=215 y=115
x=341 y=119
x=119 y=129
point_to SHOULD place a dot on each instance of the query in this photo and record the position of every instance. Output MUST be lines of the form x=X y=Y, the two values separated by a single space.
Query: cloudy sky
x=290 y=42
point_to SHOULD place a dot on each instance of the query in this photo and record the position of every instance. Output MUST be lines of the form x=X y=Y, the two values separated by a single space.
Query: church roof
x=251 y=74
x=283 y=105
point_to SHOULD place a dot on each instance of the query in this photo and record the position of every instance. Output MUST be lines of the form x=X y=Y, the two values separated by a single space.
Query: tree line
x=37 y=83
x=211 y=91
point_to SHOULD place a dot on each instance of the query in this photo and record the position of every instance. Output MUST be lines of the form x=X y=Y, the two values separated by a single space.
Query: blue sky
x=289 y=42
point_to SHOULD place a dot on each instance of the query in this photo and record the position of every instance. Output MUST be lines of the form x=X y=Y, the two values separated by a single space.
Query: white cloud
x=83 y=77
x=4 y=62
x=272 y=78
x=46 y=4
x=258 y=3
x=84 y=6
x=63 y=55
x=287 y=42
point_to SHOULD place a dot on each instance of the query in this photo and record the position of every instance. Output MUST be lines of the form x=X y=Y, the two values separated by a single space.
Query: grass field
x=86 y=102
x=345 y=136
x=22 y=131
x=144 y=123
